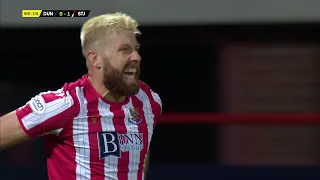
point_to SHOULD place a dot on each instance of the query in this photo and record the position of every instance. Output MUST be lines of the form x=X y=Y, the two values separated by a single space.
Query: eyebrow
x=137 y=46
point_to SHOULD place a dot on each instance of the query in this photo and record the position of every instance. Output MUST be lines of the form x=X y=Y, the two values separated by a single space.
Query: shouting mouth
x=130 y=73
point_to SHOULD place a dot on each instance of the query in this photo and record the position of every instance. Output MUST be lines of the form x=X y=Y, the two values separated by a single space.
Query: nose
x=135 y=56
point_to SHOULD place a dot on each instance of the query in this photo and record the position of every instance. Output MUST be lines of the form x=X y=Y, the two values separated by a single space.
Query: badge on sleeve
x=37 y=104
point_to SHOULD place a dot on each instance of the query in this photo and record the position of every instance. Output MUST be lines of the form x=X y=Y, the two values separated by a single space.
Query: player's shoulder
x=77 y=84
x=146 y=88
x=63 y=96
x=151 y=95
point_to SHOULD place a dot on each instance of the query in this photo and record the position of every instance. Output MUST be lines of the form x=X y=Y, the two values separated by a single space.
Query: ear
x=94 y=59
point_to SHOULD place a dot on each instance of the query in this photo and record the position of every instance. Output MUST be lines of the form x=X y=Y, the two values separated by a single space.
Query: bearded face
x=120 y=63
x=122 y=81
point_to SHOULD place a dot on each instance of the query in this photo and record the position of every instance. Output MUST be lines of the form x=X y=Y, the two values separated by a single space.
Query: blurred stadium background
x=214 y=59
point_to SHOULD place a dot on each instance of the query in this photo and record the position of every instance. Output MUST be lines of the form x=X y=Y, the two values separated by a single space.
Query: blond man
x=100 y=126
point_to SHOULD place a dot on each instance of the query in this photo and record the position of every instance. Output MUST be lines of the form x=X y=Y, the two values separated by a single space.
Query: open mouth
x=130 y=72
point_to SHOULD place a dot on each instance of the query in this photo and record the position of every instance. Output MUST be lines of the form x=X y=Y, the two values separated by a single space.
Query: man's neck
x=104 y=92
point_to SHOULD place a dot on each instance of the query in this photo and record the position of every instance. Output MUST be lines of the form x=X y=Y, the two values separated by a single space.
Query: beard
x=117 y=82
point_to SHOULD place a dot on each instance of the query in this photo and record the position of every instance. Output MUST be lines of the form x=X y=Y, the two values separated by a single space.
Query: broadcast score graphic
x=54 y=13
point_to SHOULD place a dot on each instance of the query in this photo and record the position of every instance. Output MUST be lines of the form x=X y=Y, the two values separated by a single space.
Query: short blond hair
x=105 y=24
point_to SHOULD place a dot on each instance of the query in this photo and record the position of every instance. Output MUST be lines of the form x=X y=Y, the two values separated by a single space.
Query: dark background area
x=181 y=63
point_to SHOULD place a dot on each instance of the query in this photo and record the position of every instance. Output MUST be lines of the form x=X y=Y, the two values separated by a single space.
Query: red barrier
x=255 y=118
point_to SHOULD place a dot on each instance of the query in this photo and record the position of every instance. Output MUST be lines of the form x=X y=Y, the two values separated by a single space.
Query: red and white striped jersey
x=88 y=137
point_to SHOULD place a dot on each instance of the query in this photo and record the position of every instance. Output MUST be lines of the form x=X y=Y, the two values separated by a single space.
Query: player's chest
x=120 y=119
x=112 y=131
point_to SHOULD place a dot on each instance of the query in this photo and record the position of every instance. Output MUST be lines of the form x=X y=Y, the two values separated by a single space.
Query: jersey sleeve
x=46 y=112
x=157 y=99
x=157 y=105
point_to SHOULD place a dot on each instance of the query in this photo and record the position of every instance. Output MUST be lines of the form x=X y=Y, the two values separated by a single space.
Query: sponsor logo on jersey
x=37 y=104
x=135 y=116
x=113 y=143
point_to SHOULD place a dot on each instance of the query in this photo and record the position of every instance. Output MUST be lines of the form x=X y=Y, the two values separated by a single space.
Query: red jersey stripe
x=94 y=118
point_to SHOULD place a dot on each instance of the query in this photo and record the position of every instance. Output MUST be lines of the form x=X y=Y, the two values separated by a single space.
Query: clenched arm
x=11 y=131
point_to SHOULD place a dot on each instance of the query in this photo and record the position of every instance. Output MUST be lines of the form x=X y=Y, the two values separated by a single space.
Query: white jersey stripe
x=156 y=98
x=110 y=162
x=134 y=156
x=58 y=92
x=81 y=139
x=52 y=109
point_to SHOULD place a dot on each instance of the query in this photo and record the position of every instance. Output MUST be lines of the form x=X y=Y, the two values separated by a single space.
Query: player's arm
x=146 y=165
x=43 y=114
x=157 y=103
x=11 y=131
